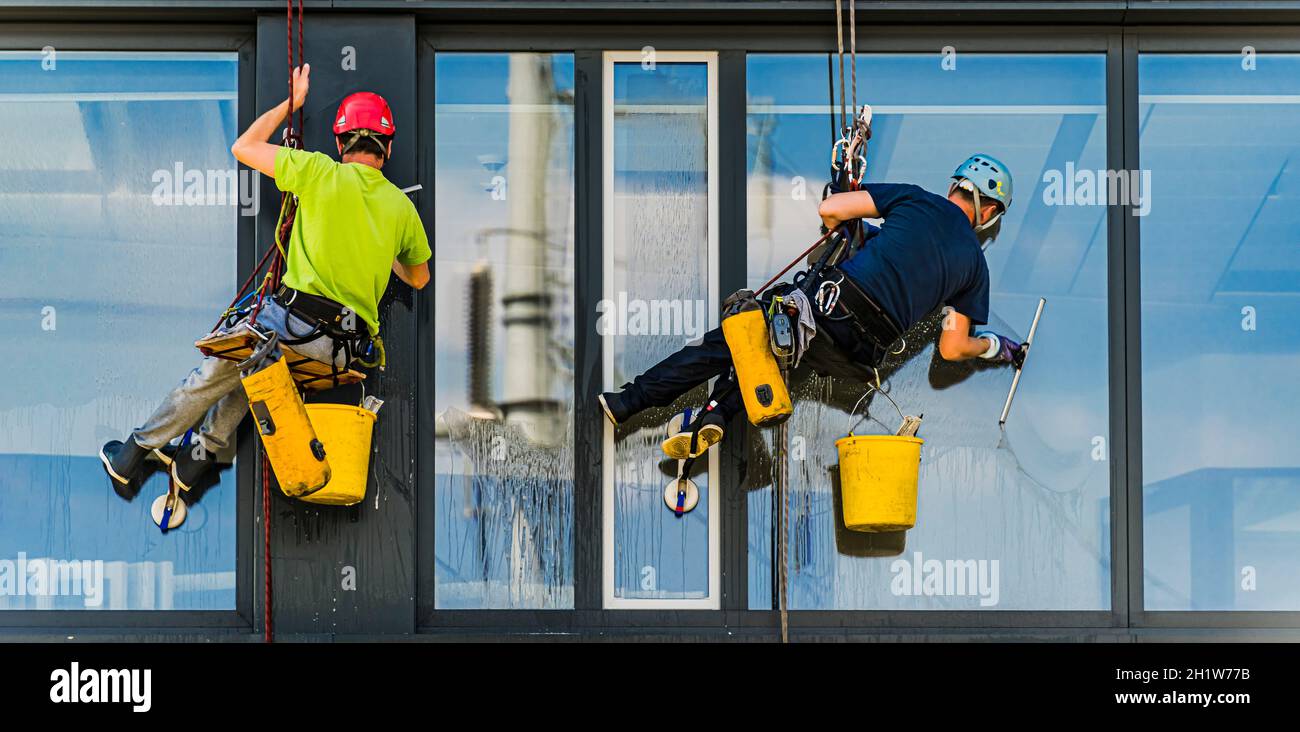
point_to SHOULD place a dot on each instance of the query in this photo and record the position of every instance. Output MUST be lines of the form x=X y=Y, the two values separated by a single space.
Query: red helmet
x=364 y=111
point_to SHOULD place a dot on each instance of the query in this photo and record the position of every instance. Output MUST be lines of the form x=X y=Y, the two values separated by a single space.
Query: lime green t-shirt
x=351 y=224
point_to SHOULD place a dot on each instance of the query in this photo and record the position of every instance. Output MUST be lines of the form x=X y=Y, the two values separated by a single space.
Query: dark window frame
x=149 y=39
x=1170 y=40
x=588 y=45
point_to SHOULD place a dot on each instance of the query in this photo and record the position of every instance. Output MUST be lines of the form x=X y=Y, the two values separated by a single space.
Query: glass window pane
x=1027 y=509
x=1220 y=332
x=503 y=271
x=659 y=301
x=125 y=196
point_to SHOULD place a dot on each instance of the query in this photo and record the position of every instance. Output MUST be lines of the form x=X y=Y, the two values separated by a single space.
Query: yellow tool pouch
x=296 y=455
x=767 y=401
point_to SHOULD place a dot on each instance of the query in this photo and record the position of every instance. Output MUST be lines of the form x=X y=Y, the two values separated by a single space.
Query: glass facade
x=105 y=213
x=503 y=269
x=541 y=178
x=1220 y=331
x=658 y=299
x=1022 y=514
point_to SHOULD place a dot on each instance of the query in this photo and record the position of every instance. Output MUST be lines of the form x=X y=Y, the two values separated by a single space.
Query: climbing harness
x=329 y=319
x=828 y=296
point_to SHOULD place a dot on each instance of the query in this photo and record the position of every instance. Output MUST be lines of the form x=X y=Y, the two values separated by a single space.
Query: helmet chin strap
x=975 y=214
x=356 y=137
x=975 y=193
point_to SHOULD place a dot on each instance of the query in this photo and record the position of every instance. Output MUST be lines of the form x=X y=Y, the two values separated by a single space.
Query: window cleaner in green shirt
x=353 y=228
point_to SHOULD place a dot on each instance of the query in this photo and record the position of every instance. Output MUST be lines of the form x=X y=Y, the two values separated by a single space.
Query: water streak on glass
x=660 y=264
x=1020 y=518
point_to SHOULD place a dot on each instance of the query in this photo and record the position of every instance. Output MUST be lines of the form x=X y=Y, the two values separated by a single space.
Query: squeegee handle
x=1024 y=354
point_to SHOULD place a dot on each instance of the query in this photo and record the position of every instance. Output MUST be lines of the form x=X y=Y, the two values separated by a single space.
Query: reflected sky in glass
x=94 y=255
x=1031 y=506
x=1220 y=332
x=503 y=271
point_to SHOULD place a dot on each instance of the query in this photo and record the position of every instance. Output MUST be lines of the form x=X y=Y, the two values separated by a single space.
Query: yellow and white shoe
x=681 y=429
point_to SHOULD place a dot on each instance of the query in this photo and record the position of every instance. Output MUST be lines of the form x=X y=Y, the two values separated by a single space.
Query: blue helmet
x=990 y=178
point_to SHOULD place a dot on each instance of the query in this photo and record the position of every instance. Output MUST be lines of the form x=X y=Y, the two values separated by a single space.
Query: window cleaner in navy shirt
x=927 y=254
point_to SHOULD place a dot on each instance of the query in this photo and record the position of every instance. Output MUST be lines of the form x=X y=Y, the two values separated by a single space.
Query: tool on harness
x=763 y=391
x=288 y=437
x=781 y=335
x=850 y=304
x=1024 y=354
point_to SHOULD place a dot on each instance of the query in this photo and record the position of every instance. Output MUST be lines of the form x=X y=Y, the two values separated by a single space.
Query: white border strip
x=714 y=600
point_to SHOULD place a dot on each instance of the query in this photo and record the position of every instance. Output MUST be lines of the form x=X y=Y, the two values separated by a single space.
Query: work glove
x=1002 y=349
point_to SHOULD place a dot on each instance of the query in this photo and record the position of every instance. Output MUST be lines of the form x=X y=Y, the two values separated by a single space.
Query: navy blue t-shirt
x=925 y=255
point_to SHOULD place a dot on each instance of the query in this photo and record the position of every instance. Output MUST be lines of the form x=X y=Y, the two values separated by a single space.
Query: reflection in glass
x=1014 y=521
x=98 y=237
x=659 y=302
x=503 y=273
x=1220 y=332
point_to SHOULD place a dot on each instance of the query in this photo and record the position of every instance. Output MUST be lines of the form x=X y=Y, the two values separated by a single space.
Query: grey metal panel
x=819 y=37
x=800 y=632
x=1117 y=442
x=311 y=545
x=718 y=11
x=588 y=426
x=1183 y=39
x=426 y=317
x=1132 y=342
x=246 y=441
x=593 y=622
x=732 y=96
x=125 y=36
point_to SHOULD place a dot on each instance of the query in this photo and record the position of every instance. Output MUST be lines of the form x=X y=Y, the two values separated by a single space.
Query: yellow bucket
x=345 y=431
x=878 y=475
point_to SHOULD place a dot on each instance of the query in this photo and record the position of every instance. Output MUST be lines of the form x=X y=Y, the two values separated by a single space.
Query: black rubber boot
x=166 y=454
x=124 y=463
x=616 y=406
x=190 y=464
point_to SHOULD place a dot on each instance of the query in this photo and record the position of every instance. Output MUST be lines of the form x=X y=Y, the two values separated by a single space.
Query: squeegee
x=1024 y=354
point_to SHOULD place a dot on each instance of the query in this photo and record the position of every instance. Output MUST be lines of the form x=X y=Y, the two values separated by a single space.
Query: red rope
x=795 y=261
x=266 y=552
x=301 y=58
x=272 y=281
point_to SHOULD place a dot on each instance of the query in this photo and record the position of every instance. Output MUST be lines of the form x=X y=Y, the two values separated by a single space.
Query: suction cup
x=179 y=511
x=690 y=498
